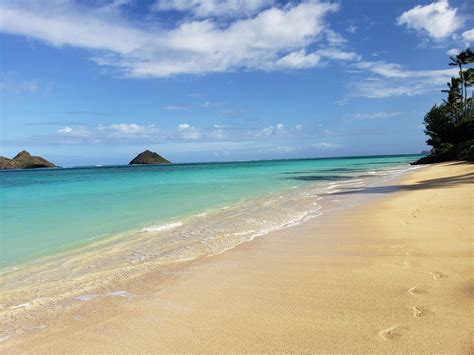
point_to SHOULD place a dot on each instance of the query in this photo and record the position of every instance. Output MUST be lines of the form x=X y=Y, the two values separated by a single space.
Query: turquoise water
x=47 y=211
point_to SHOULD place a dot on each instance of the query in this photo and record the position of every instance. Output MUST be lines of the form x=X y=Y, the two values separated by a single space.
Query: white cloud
x=65 y=130
x=389 y=79
x=338 y=54
x=274 y=38
x=183 y=126
x=77 y=135
x=205 y=8
x=186 y=131
x=61 y=24
x=437 y=20
x=375 y=115
x=351 y=29
x=110 y=133
x=298 y=60
x=453 y=52
x=334 y=39
x=128 y=129
x=468 y=36
x=276 y=130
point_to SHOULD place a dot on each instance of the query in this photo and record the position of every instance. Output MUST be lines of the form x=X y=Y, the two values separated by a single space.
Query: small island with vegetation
x=450 y=125
x=25 y=160
x=149 y=157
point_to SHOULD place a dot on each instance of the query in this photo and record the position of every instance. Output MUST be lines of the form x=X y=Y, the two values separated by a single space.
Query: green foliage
x=439 y=125
x=450 y=125
x=454 y=100
x=445 y=152
x=470 y=154
x=465 y=78
x=462 y=132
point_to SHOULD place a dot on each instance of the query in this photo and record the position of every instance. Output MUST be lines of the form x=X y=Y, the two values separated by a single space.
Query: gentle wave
x=162 y=227
x=77 y=274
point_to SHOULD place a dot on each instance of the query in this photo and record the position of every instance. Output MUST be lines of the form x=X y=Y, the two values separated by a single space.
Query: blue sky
x=95 y=82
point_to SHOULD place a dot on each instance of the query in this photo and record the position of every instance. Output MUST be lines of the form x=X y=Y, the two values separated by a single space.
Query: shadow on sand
x=445 y=182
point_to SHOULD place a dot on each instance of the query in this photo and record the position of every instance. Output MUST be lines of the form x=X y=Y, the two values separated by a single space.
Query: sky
x=96 y=82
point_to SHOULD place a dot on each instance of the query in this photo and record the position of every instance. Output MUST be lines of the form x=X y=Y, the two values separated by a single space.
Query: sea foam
x=163 y=227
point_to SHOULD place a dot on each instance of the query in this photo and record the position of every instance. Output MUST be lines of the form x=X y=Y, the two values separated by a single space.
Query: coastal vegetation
x=450 y=124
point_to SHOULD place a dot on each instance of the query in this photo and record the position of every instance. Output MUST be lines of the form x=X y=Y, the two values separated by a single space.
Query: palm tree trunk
x=463 y=90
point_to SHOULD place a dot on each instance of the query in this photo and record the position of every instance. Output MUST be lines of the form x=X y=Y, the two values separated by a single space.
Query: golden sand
x=394 y=275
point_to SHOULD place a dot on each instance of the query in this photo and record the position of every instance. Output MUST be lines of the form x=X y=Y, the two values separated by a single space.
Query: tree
x=438 y=125
x=454 y=100
x=450 y=125
x=463 y=58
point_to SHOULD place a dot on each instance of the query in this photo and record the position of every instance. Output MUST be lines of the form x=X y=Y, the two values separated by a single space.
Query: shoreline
x=98 y=262
x=297 y=289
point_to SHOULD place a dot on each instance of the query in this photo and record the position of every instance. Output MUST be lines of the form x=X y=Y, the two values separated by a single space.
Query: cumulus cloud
x=437 y=20
x=274 y=38
x=453 y=52
x=468 y=36
x=107 y=133
x=127 y=129
x=187 y=131
x=183 y=132
x=77 y=134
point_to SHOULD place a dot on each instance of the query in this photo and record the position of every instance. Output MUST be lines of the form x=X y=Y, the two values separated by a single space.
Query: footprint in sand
x=417 y=313
x=437 y=275
x=417 y=291
x=392 y=333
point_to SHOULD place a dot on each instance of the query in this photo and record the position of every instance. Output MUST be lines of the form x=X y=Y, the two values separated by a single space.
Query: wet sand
x=393 y=275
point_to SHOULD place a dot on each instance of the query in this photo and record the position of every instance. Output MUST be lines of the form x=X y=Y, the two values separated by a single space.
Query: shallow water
x=49 y=211
x=73 y=235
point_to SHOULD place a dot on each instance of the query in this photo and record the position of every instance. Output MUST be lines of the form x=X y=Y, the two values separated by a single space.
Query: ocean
x=72 y=235
x=207 y=206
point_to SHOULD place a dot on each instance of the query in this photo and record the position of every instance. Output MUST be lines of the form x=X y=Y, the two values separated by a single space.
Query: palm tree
x=454 y=100
x=461 y=59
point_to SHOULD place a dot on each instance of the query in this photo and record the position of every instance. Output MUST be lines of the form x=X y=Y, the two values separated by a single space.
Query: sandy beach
x=392 y=275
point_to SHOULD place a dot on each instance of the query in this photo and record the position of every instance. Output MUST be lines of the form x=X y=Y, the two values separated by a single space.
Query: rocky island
x=149 y=157
x=25 y=160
